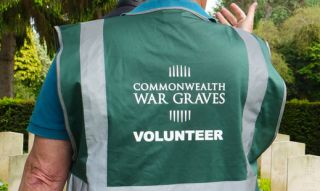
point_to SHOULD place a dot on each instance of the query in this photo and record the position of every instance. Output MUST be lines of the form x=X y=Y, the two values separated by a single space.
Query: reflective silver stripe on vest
x=75 y=184
x=93 y=87
x=63 y=105
x=245 y=185
x=257 y=86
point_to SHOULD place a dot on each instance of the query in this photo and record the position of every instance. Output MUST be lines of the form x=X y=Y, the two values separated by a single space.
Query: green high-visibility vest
x=164 y=100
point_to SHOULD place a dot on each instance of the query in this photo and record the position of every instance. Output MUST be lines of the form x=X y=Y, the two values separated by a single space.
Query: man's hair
x=134 y=3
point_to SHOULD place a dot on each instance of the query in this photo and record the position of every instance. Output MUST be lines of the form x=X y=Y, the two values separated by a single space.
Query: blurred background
x=28 y=45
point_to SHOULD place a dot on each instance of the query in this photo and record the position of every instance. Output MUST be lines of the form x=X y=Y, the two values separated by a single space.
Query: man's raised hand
x=237 y=17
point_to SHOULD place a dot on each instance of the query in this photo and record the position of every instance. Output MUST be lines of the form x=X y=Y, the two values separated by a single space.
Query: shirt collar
x=156 y=5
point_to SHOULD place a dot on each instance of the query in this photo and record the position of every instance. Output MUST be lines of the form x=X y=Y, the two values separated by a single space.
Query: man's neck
x=202 y=3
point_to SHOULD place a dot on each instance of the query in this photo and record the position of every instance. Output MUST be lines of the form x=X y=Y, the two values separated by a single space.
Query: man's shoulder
x=114 y=21
x=76 y=26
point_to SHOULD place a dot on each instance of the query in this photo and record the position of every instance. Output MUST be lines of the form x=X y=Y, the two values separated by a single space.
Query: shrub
x=264 y=184
x=302 y=122
x=3 y=186
x=15 y=115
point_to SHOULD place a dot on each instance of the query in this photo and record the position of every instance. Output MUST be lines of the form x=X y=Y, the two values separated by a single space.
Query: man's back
x=176 y=92
x=169 y=101
x=161 y=99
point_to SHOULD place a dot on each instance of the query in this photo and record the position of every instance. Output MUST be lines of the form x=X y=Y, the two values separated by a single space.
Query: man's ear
x=202 y=3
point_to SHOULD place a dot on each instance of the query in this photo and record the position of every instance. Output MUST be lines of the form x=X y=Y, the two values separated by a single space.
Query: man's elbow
x=40 y=177
x=47 y=167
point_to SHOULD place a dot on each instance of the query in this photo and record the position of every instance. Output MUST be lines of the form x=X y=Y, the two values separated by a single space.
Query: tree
x=300 y=46
x=277 y=11
x=84 y=10
x=312 y=3
x=300 y=19
x=307 y=56
x=28 y=67
x=269 y=32
x=31 y=67
x=312 y=70
x=15 y=17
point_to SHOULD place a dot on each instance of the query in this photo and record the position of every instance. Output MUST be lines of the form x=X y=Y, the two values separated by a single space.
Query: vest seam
x=63 y=106
x=170 y=8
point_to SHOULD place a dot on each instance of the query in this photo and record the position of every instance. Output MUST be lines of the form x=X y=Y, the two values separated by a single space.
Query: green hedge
x=301 y=120
x=15 y=115
x=3 y=187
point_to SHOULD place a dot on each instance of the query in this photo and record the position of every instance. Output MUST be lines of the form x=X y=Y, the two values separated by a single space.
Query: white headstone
x=16 y=166
x=11 y=144
x=4 y=168
x=280 y=152
x=30 y=141
x=265 y=159
x=304 y=173
x=282 y=137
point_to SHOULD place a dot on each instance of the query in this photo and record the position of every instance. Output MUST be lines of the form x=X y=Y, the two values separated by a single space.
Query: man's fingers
x=221 y=18
x=240 y=15
x=252 y=10
x=229 y=16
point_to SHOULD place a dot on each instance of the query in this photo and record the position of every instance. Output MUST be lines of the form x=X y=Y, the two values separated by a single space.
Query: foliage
x=267 y=30
x=292 y=29
x=301 y=121
x=15 y=16
x=295 y=51
x=312 y=3
x=282 y=67
x=84 y=10
x=28 y=67
x=280 y=14
x=3 y=187
x=15 y=115
x=301 y=19
x=300 y=47
x=31 y=66
x=42 y=50
x=23 y=92
x=11 y=12
x=312 y=70
x=305 y=38
x=276 y=11
x=264 y=184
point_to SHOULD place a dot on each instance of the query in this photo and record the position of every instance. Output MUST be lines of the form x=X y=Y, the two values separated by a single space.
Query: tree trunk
x=7 y=50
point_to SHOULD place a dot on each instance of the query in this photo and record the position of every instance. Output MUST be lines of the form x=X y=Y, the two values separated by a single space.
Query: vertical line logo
x=179 y=71
x=180 y=116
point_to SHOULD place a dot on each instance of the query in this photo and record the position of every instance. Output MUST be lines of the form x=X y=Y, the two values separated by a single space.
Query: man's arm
x=47 y=167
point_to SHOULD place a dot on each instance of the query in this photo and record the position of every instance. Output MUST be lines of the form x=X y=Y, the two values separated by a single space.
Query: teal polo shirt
x=47 y=118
